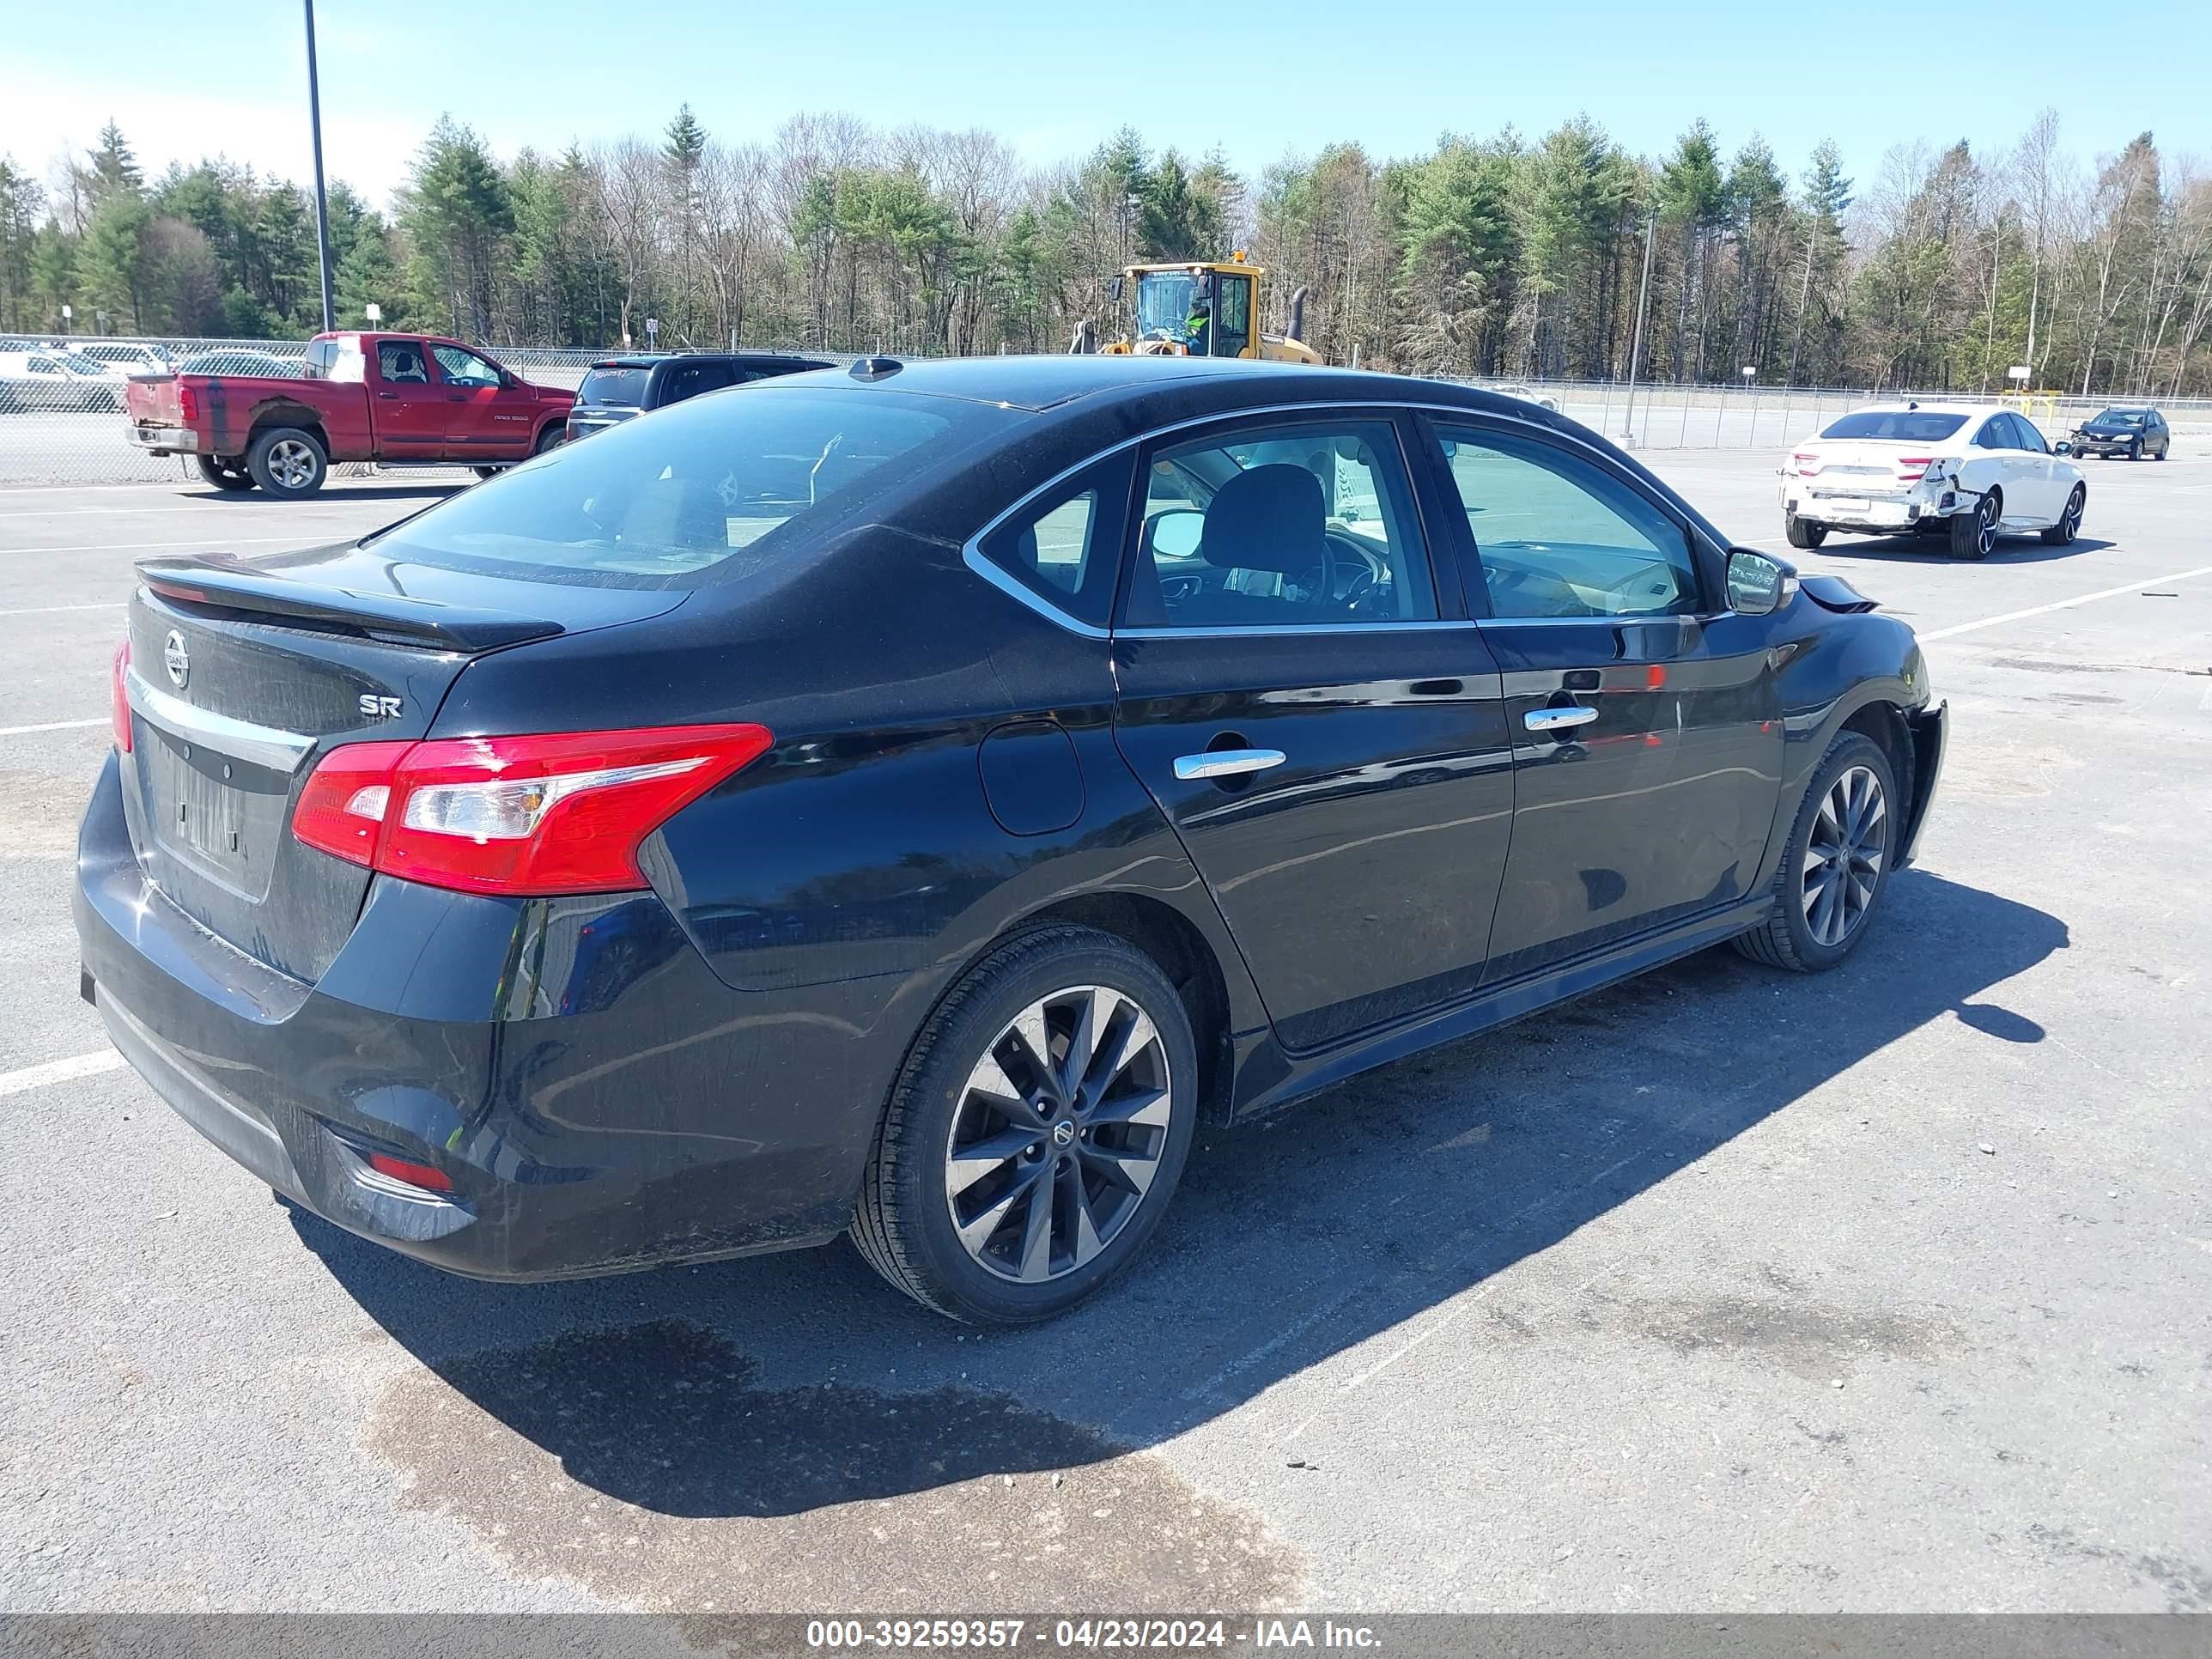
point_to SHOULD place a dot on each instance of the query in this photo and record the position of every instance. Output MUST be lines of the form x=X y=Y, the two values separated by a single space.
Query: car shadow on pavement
x=776 y=1385
x=2010 y=549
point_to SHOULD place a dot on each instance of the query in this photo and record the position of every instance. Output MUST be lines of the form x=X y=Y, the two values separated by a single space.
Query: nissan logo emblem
x=176 y=659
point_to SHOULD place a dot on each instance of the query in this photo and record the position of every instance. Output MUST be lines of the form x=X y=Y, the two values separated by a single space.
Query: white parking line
x=49 y=609
x=2066 y=604
x=49 y=726
x=60 y=1071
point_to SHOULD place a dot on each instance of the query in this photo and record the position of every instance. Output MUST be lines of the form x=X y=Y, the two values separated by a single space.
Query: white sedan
x=1971 y=472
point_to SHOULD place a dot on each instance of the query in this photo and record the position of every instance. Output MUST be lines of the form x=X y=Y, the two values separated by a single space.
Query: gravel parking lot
x=1890 y=1290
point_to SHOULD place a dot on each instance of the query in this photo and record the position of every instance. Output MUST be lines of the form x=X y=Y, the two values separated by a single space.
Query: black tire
x=1801 y=533
x=224 y=475
x=487 y=471
x=1787 y=939
x=905 y=1226
x=2163 y=450
x=2069 y=522
x=287 y=462
x=2135 y=449
x=1974 y=532
x=552 y=438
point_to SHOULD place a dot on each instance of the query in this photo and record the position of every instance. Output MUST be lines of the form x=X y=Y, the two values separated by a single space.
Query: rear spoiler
x=381 y=616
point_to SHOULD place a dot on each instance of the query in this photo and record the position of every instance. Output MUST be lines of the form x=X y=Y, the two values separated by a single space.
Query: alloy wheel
x=291 y=463
x=1985 y=525
x=1059 y=1132
x=1844 y=856
x=2071 y=524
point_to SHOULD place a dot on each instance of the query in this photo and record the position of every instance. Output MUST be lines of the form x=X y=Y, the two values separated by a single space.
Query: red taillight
x=1806 y=461
x=188 y=404
x=557 y=812
x=415 y=1175
x=118 y=695
x=342 y=808
x=1911 y=468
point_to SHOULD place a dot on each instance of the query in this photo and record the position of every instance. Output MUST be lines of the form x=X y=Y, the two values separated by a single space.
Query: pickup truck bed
x=397 y=399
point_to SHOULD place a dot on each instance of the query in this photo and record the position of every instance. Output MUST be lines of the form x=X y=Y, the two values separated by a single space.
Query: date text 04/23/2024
x=1093 y=1634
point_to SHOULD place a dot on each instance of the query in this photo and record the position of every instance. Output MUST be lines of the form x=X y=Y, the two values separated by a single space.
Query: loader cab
x=1164 y=302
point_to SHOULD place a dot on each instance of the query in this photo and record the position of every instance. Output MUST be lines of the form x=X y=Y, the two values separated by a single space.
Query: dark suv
x=616 y=388
x=2134 y=433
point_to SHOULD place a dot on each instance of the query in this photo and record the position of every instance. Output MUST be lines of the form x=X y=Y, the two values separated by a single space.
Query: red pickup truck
x=397 y=399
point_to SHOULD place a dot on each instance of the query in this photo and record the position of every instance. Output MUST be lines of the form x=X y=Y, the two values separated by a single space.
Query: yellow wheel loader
x=1202 y=309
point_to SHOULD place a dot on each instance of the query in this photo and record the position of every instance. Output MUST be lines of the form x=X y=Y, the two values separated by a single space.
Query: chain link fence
x=61 y=403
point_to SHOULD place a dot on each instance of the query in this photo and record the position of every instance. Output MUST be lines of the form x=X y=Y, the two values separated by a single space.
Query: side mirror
x=1176 y=534
x=2063 y=446
x=1757 y=586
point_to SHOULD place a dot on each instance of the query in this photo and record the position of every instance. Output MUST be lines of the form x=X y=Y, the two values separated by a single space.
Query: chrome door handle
x=1226 y=762
x=1557 y=719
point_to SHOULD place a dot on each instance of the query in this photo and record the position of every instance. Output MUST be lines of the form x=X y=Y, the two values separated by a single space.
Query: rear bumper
x=599 y=1100
x=166 y=440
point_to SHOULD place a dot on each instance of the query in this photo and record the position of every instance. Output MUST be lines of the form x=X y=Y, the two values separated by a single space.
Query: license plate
x=1846 y=503
x=226 y=827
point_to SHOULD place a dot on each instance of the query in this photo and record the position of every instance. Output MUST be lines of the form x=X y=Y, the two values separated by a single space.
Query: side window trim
x=1112 y=487
x=1221 y=428
x=1704 y=559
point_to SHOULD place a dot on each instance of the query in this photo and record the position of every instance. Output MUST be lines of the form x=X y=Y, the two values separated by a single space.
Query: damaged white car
x=1970 y=473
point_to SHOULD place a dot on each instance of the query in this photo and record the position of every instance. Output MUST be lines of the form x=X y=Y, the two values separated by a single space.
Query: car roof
x=649 y=359
x=1044 y=382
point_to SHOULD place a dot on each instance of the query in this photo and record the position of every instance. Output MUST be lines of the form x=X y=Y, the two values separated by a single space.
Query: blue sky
x=1260 y=80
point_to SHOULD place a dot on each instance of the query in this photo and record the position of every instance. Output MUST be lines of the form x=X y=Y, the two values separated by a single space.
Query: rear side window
x=659 y=502
x=1911 y=426
x=682 y=380
x=1063 y=546
x=622 y=387
x=334 y=360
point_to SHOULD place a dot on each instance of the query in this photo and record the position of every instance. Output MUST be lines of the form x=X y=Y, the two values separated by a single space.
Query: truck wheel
x=288 y=462
x=224 y=475
x=551 y=438
x=487 y=471
x=1802 y=534
x=1974 y=535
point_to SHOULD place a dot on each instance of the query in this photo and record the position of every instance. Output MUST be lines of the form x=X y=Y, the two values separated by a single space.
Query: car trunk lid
x=244 y=673
x=1864 y=466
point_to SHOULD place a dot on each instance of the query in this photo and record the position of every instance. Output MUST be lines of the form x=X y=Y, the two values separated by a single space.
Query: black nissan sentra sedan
x=909 y=800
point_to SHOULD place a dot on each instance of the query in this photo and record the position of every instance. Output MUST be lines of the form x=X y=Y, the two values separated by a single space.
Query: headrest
x=1271 y=518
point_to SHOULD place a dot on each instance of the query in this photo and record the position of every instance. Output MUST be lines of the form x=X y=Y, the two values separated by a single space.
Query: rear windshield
x=659 y=502
x=623 y=386
x=1914 y=426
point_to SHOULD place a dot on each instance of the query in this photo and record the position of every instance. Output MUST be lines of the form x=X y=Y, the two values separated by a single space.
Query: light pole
x=322 y=198
x=1636 y=349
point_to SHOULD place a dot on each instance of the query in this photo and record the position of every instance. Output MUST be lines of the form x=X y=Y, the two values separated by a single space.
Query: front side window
x=2025 y=436
x=464 y=368
x=659 y=502
x=400 y=362
x=1558 y=536
x=1281 y=527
